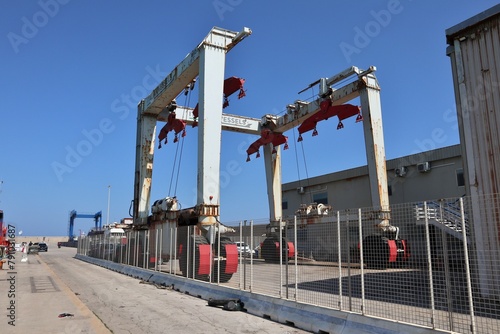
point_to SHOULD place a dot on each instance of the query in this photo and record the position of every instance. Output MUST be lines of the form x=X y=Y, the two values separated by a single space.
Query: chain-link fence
x=435 y=265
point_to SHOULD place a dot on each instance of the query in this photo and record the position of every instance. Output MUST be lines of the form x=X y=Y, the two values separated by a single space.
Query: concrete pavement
x=103 y=301
x=33 y=297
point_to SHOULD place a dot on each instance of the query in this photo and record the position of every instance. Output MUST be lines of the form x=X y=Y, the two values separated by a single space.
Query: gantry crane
x=205 y=65
x=331 y=102
x=97 y=217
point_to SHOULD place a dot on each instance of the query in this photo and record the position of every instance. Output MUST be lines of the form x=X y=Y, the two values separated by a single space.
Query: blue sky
x=72 y=73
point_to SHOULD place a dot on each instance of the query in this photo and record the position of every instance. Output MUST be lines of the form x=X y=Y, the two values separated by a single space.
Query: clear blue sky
x=72 y=68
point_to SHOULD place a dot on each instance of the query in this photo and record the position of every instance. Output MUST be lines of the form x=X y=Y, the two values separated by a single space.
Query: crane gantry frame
x=207 y=62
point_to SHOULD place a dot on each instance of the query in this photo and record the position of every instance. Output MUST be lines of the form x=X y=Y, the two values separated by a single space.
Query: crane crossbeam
x=298 y=112
x=235 y=123
x=188 y=69
x=73 y=215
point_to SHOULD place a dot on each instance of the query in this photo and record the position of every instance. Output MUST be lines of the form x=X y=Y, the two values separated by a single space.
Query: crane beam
x=187 y=70
x=301 y=110
x=229 y=122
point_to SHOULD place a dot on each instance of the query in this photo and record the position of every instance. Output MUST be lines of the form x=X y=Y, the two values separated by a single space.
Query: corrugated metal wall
x=474 y=49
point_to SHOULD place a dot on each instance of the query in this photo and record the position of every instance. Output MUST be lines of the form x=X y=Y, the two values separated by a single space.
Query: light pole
x=109 y=197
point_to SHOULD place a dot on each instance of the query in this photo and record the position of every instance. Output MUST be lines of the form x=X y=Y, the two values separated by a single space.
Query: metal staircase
x=444 y=215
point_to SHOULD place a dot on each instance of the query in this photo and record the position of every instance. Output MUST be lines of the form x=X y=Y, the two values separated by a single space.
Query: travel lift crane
x=217 y=257
x=73 y=215
x=379 y=249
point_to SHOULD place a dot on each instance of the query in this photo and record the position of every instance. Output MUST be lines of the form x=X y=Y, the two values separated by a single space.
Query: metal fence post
x=129 y=244
x=240 y=257
x=361 y=263
x=467 y=267
x=446 y=262
x=243 y=251
x=157 y=232
x=103 y=245
x=429 y=266
x=339 y=243
x=218 y=255
x=147 y=254
x=160 y=238
x=173 y=244
x=281 y=259
x=136 y=249
x=193 y=268
x=349 y=278
x=251 y=254
x=296 y=257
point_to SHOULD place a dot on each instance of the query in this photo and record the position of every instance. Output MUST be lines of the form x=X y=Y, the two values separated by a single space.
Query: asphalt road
x=125 y=305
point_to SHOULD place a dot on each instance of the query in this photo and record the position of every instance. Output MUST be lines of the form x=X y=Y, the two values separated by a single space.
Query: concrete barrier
x=304 y=316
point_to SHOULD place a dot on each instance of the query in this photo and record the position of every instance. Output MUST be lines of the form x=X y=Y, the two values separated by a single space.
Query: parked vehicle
x=42 y=247
x=244 y=249
x=33 y=248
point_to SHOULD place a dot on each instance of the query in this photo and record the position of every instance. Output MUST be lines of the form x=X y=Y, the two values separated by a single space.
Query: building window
x=460 y=177
x=389 y=190
x=320 y=198
x=284 y=205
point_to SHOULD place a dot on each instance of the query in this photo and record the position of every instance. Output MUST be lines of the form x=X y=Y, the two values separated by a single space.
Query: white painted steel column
x=211 y=82
x=145 y=142
x=273 y=179
x=374 y=143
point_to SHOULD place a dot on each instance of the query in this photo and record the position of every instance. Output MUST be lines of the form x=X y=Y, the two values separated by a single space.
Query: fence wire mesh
x=435 y=265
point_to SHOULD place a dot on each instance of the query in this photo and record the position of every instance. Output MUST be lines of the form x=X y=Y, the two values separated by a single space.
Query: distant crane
x=73 y=215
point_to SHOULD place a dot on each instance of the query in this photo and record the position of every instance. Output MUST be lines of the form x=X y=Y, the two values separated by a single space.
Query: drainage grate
x=43 y=284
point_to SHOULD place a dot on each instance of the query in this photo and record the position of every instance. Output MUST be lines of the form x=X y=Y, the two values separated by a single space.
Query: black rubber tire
x=186 y=265
x=223 y=278
x=376 y=252
x=269 y=251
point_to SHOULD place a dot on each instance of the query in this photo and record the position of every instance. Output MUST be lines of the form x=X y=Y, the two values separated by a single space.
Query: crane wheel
x=376 y=252
x=221 y=276
x=270 y=249
x=186 y=264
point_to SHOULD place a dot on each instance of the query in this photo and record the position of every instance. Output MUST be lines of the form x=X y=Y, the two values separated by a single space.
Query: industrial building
x=435 y=174
x=473 y=48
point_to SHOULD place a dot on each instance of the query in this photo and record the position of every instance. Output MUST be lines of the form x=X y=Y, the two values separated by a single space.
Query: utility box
x=473 y=48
